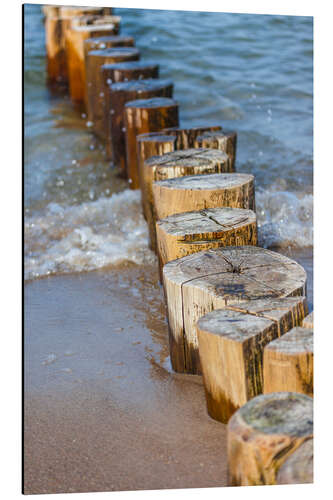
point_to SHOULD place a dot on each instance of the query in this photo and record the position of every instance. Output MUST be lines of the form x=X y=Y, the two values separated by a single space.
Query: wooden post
x=231 y=345
x=75 y=38
x=55 y=50
x=197 y=284
x=288 y=363
x=186 y=137
x=144 y=116
x=99 y=43
x=148 y=145
x=264 y=433
x=123 y=72
x=59 y=20
x=308 y=321
x=95 y=95
x=177 y=164
x=298 y=468
x=182 y=234
x=224 y=140
x=118 y=94
x=50 y=11
x=197 y=192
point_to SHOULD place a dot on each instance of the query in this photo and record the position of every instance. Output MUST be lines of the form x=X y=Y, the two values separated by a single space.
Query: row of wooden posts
x=237 y=313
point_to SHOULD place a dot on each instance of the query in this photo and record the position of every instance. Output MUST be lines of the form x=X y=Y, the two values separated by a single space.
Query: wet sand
x=103 y=410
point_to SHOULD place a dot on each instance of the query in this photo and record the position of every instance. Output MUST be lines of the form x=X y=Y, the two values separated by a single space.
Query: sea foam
x=112 y=230
x=87 y=236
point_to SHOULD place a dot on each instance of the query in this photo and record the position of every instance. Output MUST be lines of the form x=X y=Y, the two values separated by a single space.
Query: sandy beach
x=103 y=411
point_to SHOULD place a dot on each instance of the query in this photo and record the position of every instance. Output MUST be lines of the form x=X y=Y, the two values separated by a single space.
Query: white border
x=11 y=246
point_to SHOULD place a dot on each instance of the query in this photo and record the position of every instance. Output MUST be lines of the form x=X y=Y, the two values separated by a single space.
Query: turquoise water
x=250 y=73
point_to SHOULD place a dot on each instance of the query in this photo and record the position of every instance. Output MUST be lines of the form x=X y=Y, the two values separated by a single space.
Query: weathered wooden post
x=231 y=346
x=197 y=192
x=264 y=433
x=298 y=468
x=148 y=145
x=123 y=72
x=224 y=140
x=144 y=116
x=118 y=94
x=176 y=164
x=308 y=321
x=95 y=95
x=50 y=11
x=182 y=234
x=100 y=43
x=205 y=281
x=75 y=38
x=55 y=50
x=288 y=363
x=186 y=136
x=58 y=22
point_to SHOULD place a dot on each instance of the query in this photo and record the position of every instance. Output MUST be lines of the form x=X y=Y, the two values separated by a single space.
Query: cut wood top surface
x=102 y=42
x=296 y=341
x=216 y=134
x=193 y=157
x=279 y=413
x=242 y=321
x=149 y=84
x=128 y=65
x=206 y=182
x=114 y=52
x=153 y=102
x=242 y=273
x=93 y=19
x=214 y=220
x=273 y=309
x=196 y=128
x=154 y=137
x=234 y=325
x=93 y=27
